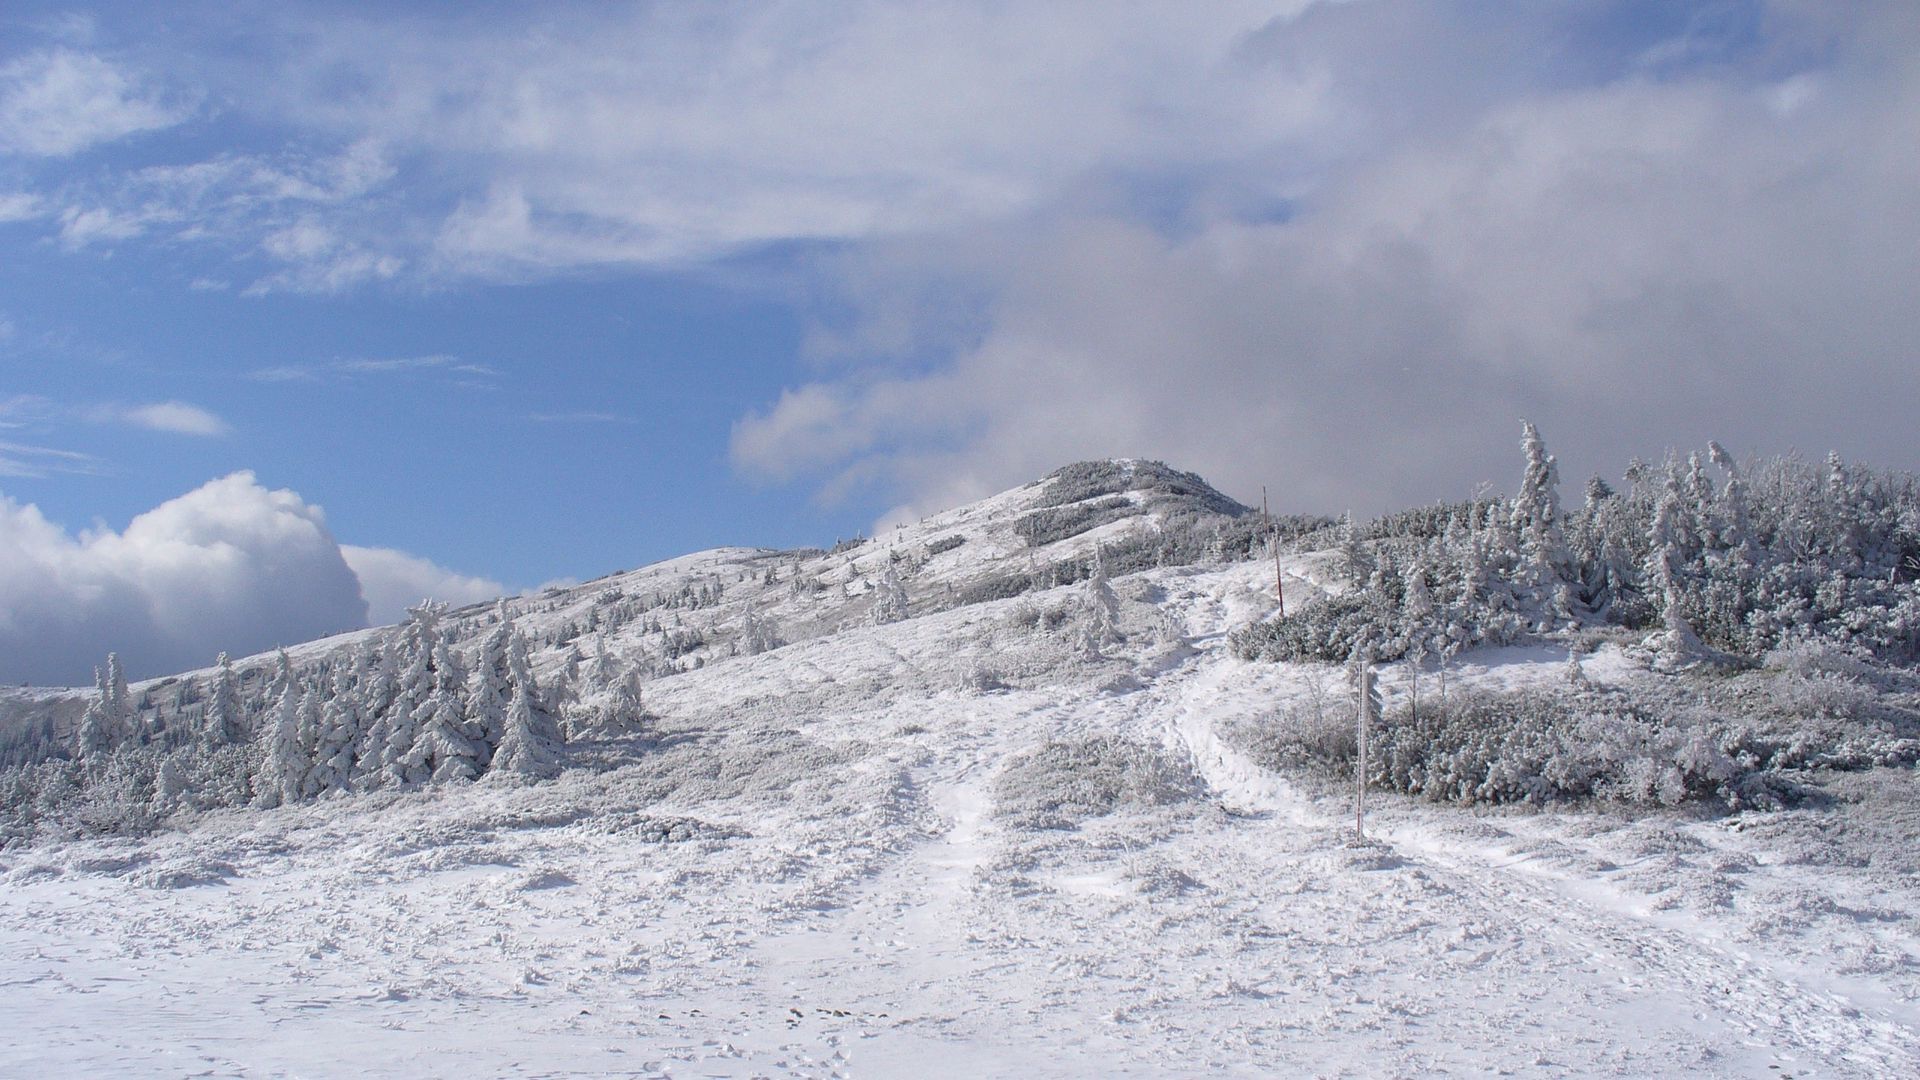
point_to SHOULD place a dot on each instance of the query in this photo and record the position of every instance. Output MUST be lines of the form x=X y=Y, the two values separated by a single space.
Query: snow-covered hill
x=1018 y=832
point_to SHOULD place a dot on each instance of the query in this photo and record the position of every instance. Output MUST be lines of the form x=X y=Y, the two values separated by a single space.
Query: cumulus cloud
x=230 y=566
x=393 y=581
x=1703 y=232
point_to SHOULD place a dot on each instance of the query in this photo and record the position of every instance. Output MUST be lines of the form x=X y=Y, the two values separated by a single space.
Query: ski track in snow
x=840 y=900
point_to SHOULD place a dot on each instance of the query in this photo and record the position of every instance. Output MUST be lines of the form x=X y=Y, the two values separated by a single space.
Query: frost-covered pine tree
x=119 y=703
x=392 y=737
x=606 y=669
x=1536 y=520
x=524 y=752
x=338 y=736
x=1418 y=600
x=1666 y=563
x=225 y=721
x=759 y=634
x=283 y=767
x=1099 y=609
x=443 y=751
x=889 y=598
x=312 y=722
x=541 y=707
x=491 y=688
x=93 y=737
x=1359 y=564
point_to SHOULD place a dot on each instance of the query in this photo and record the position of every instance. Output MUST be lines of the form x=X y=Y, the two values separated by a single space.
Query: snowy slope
x=811 y=863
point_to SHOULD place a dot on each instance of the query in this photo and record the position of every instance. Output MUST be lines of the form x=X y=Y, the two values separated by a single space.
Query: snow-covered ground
x=808 y=866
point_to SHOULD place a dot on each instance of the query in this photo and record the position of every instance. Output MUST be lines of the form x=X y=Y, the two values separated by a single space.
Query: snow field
x=807 y=866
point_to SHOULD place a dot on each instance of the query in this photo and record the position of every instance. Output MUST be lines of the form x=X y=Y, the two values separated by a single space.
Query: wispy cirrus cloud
x=27 y=461
x=173 y=417
x=438 y=364
x=584 y=417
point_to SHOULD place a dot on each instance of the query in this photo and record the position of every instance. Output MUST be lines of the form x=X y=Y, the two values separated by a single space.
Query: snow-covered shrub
x=1308 y=737
x=1547 y=745
x=1059 y=784
x=1534 y=746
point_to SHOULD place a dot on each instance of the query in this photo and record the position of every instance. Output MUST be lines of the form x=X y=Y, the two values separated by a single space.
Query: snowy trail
x=1612 y=952
x=852 y=904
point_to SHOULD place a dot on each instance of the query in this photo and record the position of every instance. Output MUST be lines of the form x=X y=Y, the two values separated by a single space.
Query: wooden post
x=1364 y=720
x=1273 y=544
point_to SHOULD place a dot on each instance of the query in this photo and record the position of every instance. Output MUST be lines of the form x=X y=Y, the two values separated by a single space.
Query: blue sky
x=521 y=296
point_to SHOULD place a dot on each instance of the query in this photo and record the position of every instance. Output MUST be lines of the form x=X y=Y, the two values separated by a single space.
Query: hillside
x=1034 y=787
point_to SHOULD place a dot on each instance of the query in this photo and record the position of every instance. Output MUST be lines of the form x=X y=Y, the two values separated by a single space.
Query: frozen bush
x=1061 y=783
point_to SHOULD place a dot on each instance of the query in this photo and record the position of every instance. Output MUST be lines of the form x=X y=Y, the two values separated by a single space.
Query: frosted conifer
x=889 y=599
x=490 y=689
x=337 y=738
x=1536 y=518
x=225 y=722
x=523 y=752
x=443 y=751
x=283 y=767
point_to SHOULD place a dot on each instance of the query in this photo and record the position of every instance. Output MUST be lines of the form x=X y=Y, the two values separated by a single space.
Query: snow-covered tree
x=524 y=751
x=759 y=634
x=93 y=736
x=1667 y=558
x=225 y=722
x=443 y=750
x=338 y=735
x=283 y=765
x=119 y=702
x=605 y=668
x=391 y=737
x=1536 y=518
x=490 y=690
x=540 y=706
x=889 y=598
x=1099 y=614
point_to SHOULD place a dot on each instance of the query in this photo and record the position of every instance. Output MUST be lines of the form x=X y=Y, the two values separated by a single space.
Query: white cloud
x=36 y=462
x=582 y=417
x=393 y=580
x=536 y=143
x=20 y=206
x=230 y=566
x=174 y=417
x=1632 y=262
x=440 y=363
x=61 y=102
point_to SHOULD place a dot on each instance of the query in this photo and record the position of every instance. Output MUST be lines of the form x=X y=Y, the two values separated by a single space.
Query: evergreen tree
x=119 y=703
x=1667 y=559
x=1536 y=517
x=283 y=767
x=1099 y=609
x=523 y=752
x=394 y=736
x=540 y=707
x=225 y=721
x=443 y=751
x=491 y=688
x=338 y=736
x=889 y=599
x=93 y=736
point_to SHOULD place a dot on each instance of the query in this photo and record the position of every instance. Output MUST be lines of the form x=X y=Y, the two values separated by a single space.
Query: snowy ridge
x=819 y=860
